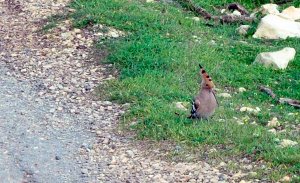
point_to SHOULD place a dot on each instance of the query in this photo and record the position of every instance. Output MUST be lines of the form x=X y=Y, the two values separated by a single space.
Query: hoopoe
x=205 y=102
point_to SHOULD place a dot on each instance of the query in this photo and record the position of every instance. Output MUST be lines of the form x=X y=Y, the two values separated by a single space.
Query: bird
x=205 y=103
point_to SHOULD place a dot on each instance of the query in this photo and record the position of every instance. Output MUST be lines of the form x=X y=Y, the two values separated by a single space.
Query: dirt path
x=35 y=146
x=52 y=130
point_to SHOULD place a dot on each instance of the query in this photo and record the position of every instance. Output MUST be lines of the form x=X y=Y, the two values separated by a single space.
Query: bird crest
x=206 y=79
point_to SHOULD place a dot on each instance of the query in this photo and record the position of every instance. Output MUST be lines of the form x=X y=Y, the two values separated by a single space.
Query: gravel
x=53 y=128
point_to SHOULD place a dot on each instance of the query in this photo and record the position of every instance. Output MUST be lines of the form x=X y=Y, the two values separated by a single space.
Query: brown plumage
x=205 y=102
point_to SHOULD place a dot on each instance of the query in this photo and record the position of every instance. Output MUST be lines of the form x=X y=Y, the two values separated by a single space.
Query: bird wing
x=195 y=107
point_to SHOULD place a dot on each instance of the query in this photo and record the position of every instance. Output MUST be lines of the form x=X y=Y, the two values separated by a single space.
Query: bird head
x=207 y=82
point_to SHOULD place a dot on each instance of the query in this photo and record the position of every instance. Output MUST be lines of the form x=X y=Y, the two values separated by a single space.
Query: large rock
x=269 y=9
x=292 y=13
x=277 y=59
x=277 y=27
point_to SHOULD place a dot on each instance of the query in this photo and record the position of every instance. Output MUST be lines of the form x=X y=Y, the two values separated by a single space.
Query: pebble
x=224 y=95
x=241 y=89
x=84 y=171
x=273 y=123
x=105 y=141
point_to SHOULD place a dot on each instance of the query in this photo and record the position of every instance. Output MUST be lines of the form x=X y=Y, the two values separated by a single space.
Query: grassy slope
x=158 y=62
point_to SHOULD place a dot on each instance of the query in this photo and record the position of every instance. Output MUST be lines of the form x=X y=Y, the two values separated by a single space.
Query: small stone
x=248 y=167
x=197 y=19
x=105 y=141
x=212 y=42
x=180 y=105
x=223 y=177
x=66 y=35
x=52 y=87
x=236 y=13
x=113 y=161
x=286 y=179
x=224 y=95
x=63 y=28
x=214 y=180
x=106 y=103
x=114 y=34
x=250 y=110
x=98 y=132
x=77 y=31
x=222 y=164
x=243 y=181
x=130 y=153
x=241 y=89
x=272 y=131
x=273 y=123
x=57 y=158
x=243 y=29
x=84 y=171
x=287 y=143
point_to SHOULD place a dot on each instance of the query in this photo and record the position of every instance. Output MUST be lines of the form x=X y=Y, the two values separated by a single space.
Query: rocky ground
x=52 y=127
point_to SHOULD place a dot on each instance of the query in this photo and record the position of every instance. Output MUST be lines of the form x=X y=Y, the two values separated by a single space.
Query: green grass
x=158 y=62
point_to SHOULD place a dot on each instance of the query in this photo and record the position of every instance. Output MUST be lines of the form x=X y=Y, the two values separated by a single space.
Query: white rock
x=277 y=27
x=273 y=123
x=180 y=105
x=278 y=60
x=272 y=131
x=241 y=89
x=114 y=34
x=287 y=143
x=250 y=110
x=292 y=12
x=223 y=11
x=106 y=103
x=77 y=31
x=269 y=9
x=196 y=19
x=236 y=13
x=222 y=164
x=66 y=35
x=224 y=95
x=286 y=179
x=149 y=1
x=243 y=181
x=243 y=29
